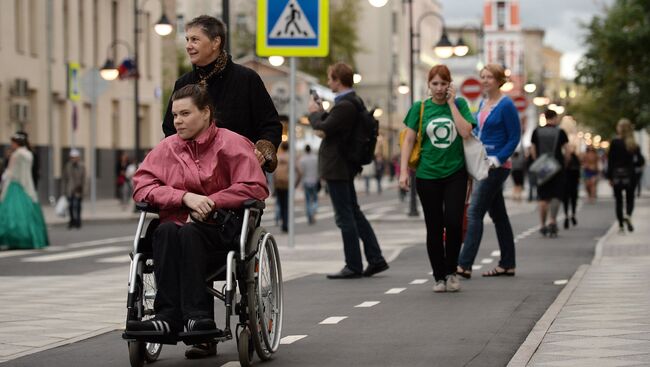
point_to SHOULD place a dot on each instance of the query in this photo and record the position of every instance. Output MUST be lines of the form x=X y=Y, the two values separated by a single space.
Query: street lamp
x=163 y=27
x=110 y=70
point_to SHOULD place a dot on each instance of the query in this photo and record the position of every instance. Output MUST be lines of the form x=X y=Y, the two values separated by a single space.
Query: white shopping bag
x=61 y=207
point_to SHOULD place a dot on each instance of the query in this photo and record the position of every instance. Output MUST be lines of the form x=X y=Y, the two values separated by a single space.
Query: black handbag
x=228 y=223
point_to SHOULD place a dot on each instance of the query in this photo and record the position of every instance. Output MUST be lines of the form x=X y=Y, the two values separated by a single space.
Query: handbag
x=545 y=167
x=476 y=160
x=414 y=158
x=61 y=207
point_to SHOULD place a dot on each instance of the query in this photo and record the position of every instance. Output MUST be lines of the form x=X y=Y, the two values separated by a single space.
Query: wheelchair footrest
x=151 y=337
x=198 y=337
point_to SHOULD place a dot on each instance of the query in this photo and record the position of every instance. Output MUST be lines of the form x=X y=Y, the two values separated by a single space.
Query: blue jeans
x=75 y=211
x=353 y=225
x=488 y=197
x=311 y=200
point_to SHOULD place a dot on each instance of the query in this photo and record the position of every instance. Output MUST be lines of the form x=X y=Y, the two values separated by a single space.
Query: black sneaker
x=373 y=269
x=155 y=325
x=200 y=325
x=566 y=223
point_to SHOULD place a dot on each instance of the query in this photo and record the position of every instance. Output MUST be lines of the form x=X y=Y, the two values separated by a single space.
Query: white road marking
x=419 y=281
x=561 y=282
x=495 y=253
x=333 y=320
x=289 y=339
x=105 y=241
x=73 y=254
x=120 y=259
x=367 y=304
x=231 y=364
x=487 y=260
x=430 y=273
x=477 y=267
x=395 y=290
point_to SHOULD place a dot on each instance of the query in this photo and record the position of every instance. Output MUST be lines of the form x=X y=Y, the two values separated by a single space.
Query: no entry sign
x=471 y=88
x=521 y=103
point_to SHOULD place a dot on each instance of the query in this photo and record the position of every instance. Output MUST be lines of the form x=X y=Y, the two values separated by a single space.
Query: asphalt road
x=483 y=325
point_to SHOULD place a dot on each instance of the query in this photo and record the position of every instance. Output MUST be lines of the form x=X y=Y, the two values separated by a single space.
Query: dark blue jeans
x=353 y=225
x=488 y=197
x=311 y=200
x=75 y=211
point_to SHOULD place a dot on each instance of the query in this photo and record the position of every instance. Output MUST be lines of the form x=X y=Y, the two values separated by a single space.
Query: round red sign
x=521 y=103
x=471 y=88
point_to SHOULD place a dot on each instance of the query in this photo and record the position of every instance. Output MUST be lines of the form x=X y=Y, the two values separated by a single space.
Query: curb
x=528 y=348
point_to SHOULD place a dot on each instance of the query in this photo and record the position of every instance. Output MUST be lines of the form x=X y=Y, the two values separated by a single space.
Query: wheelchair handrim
x=269 y=293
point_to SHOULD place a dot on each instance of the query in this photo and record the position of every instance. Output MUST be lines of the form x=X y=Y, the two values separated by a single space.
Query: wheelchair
x=252 y=291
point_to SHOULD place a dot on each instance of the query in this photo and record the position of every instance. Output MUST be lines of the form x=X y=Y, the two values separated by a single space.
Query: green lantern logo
x=441 y=132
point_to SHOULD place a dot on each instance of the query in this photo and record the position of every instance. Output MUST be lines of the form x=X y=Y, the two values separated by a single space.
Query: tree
x=615 y=70
x=344 y=42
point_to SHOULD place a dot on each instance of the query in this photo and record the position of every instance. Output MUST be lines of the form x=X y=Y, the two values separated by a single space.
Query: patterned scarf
x=219 y=65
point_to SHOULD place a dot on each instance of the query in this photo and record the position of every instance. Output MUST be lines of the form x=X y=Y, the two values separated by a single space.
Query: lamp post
x=109 y=71
x=443 y=49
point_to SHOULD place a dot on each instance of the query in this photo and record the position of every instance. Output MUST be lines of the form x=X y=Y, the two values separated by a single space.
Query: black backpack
x=359 y=148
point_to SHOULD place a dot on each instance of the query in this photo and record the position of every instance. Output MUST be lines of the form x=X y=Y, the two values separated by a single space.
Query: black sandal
x=497 y=273
x=467 y=274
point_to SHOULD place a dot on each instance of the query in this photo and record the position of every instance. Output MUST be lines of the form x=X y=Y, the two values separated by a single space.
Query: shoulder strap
x=421 y=113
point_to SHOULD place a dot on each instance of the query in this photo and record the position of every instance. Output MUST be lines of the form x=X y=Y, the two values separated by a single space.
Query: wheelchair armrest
x=146 y=207
x=255 y=204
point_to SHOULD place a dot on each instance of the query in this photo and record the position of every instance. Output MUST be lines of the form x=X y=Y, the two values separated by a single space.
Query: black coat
x=241 y=103
x=337 y=126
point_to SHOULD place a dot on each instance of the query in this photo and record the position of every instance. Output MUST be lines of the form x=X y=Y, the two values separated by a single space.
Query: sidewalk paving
x=602 y=316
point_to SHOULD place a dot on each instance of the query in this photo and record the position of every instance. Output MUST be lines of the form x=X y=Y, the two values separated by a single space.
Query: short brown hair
x=199 y=95
x=211 y=26
x=498 y=71
x=441 y=70
x=342 y=72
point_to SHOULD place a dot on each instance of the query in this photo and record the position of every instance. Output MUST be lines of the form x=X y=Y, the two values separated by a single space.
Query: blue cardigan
x=501 y=131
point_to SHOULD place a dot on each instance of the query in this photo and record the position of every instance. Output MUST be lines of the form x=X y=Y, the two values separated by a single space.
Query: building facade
x=39 y=39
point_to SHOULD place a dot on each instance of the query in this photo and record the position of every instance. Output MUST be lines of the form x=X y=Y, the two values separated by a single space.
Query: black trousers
x=181 y=263
x=628 y=189
x=443 y=204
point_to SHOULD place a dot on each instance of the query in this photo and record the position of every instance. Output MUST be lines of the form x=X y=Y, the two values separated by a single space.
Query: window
x=34 y=27
x=147 y=44
x=96 y=56
x=81 y=31
x=19 y=19
x=114 y=14
x=501 y=15
x=501 y=53
x=66 y=31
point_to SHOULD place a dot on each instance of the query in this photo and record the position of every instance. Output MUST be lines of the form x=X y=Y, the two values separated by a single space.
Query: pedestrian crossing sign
x=293 y=28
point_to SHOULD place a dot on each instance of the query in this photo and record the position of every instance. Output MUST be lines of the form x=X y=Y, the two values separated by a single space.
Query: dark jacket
x=620 y=161
x=241 y=103
x=337 y=125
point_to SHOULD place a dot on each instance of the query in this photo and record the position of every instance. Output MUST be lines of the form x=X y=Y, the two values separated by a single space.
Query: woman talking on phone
x=441 y=177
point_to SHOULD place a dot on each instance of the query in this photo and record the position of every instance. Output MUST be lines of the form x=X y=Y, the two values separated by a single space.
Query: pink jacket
x=218 y=163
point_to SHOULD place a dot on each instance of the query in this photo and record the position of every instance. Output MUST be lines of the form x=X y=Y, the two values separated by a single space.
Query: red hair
x=441 y=70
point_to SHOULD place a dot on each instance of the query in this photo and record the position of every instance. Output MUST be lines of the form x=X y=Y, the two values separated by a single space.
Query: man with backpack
x=348 y=135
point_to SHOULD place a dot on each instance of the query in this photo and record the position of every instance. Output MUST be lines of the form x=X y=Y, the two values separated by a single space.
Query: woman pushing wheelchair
x=188 y=176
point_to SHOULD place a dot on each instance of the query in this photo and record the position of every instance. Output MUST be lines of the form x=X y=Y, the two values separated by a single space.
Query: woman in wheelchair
x=188 y=176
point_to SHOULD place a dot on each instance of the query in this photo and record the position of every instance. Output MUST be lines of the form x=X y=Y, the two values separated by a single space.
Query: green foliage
x=344 y=42
x=615 y=71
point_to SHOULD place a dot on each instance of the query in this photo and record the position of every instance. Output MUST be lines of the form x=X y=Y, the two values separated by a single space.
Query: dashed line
x=419 y=281
x=367 y=304
x=561 y=282
x=430 y=273
x=74 y=254
x=495 y=253
x=395 y=290
x=477 y=267
x=333 y=320
x=487 y=260
x=289 y=339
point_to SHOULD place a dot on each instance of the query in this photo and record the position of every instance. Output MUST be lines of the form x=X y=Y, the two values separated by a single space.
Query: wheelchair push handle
x=146 y=207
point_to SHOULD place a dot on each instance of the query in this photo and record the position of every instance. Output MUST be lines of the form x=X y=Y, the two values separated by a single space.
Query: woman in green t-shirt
x=441 y=177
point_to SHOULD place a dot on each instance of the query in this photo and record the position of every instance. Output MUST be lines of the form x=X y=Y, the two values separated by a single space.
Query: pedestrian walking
x=239 y=97
x=532 y=179
x=73 y=182
x=308 y=165
x=22 y=225
x=571 y=188
x=639 y=166
x=380 y=168
x=518 y=172
x=338 y=172
x=281 y=184
x=241 y=101
x=189 y=175
x=551 y=140
x=620 y=172
x=368 y=173
x=591 y=171
x=499 y=130
x=440 y=177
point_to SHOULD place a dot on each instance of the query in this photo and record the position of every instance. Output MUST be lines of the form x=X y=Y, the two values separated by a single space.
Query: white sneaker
x=453 y=284
x=440 y=286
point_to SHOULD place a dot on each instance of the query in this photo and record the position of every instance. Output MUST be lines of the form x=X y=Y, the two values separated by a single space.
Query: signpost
x=471 y=88
x=292 y=28
x=521 y=103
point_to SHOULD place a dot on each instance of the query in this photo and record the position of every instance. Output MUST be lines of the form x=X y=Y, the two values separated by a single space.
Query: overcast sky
x=559 y=18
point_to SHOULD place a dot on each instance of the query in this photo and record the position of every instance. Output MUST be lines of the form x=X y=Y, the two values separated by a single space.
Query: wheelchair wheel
x=265 y=296
x=136 y=353
x=245 y=348
x=151 y=350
